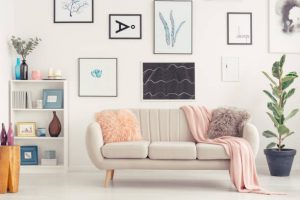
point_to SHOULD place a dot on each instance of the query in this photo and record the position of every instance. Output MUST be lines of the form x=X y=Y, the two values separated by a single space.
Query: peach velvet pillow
x=119 y=126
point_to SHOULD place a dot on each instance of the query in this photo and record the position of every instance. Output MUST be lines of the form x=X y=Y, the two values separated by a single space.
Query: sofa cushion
x=134 y=149
x=119 y=126
x=172 y=150
x=210 y=152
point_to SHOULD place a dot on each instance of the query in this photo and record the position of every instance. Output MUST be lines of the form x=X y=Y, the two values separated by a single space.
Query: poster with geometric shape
x=284 y=26
x=73 y=11
x=239 y=28
x=173 y=27
x=230 y=69
x=168 y=81
x=125 y=26
x=98 y=77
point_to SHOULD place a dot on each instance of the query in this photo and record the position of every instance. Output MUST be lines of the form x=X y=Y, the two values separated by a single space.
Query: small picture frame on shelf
x=29 y=155
x=26 y=129
x=53 y=98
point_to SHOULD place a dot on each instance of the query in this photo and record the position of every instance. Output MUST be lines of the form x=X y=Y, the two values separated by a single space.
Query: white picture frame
x=284 y=32
x=173 y=27
x=125 y=26
x=98 y=77
x=230 y=69
x=71 y=11
x=239 y=28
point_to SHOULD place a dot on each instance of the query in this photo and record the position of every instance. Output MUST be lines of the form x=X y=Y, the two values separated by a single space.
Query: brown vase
x=54 y=126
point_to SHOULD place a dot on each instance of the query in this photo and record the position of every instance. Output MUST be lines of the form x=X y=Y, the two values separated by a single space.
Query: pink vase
x=10 y=136
x=36 y=75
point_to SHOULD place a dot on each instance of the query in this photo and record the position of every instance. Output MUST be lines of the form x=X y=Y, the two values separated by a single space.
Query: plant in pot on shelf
x=279 y=158
x=24 y=48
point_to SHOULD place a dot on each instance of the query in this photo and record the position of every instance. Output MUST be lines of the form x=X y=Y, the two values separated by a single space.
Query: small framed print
x=26 y=129
x=98 y=77
x=29 y=155
x=125 y=26
x=53 y=98
x=73 y=11
x=230 y=69
x=239 y=28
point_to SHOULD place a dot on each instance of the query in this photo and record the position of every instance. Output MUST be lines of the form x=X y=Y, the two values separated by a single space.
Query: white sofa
x=168 y=144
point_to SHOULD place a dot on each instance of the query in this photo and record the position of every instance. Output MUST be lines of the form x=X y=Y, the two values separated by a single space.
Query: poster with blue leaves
x=173 y=27
x=98 y=77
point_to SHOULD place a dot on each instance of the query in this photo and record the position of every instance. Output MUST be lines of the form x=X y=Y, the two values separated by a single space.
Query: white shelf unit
x=42 y=118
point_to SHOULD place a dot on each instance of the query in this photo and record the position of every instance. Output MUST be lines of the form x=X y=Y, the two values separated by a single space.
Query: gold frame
x=32 y=134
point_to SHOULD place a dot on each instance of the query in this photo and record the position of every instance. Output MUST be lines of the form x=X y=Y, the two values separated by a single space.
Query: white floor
x=144 y=185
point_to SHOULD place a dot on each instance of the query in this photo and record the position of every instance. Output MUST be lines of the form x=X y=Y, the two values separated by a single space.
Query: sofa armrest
x=94 y=142
x=251 y=134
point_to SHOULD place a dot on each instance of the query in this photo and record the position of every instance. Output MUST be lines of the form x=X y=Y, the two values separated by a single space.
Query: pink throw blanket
x=242 y=162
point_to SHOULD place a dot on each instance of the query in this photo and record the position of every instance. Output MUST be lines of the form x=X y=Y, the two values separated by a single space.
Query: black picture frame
x=168 y=81
x=29 y=155
x=228 y=27
x=125 y=15
x=154 y=10
x=58 y=22
x=79 y=78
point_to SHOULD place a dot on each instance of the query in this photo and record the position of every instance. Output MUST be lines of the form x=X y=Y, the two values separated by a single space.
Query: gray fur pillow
x=227 y=122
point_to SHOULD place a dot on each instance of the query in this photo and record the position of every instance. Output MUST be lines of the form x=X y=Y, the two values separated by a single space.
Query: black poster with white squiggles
x=168 y=81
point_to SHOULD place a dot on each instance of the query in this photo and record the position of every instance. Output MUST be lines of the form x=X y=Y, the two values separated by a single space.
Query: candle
x=50 y=72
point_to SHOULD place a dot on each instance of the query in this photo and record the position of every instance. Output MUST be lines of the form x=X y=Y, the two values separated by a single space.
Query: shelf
x=42 y=169
x=38 y=81
x=39 y=138
x=38 y=110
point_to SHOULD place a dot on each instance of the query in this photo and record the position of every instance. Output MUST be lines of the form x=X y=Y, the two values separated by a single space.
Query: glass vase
x=24 y=70
x=17 y=69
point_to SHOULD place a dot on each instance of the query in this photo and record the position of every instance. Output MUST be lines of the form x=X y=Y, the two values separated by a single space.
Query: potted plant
x=24 y=48
x=280 y=159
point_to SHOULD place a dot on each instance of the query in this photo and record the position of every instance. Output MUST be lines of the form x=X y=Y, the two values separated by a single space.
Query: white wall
x=63 y=43
x=6 y=28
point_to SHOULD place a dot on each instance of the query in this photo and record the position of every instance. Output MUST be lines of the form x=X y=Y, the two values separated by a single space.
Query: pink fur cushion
x=119 y=126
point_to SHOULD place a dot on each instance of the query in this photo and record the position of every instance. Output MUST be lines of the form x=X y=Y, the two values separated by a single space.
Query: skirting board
x=88 y=168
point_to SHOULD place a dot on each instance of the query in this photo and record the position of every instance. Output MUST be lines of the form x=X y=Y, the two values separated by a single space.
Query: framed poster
x=239 y=28
x=230 y=69
x=98 y=77
x=173 y=27
x=168 y=81
x=284 y=26
x=125 y=26
x=73 y=11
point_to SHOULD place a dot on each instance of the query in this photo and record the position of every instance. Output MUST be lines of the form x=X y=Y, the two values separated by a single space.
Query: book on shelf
x=21 y=100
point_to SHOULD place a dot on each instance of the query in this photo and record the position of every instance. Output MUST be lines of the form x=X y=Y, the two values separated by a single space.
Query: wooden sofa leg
x=108 y=177
x=112 y=174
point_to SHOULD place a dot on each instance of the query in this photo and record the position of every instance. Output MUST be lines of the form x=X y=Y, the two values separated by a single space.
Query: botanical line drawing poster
x=173 y=27
x=73 y=11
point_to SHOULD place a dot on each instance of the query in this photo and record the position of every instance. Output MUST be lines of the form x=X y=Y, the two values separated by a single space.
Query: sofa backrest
x=163 y=124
